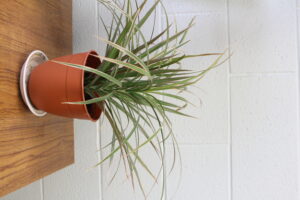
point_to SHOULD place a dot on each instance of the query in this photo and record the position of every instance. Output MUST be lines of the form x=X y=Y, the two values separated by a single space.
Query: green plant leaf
x=92 y=70
x=91 y=101
x=129 y=53
x=127 y=65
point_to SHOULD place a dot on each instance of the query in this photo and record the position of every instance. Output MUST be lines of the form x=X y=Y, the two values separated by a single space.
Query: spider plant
x=137 y=74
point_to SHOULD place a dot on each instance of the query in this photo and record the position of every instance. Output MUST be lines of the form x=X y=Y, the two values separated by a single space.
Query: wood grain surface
x=31 y=147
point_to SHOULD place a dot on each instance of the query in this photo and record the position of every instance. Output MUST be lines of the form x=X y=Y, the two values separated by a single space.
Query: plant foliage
x=137 y=74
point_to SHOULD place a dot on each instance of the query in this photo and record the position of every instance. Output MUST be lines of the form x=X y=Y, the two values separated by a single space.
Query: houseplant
x=51 y=84
x=127 y=86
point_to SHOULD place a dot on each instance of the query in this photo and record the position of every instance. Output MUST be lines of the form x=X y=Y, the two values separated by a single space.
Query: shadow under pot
x=50 y=84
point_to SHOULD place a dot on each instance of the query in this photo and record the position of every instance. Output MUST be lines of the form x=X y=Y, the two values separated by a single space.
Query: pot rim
x=94 y=119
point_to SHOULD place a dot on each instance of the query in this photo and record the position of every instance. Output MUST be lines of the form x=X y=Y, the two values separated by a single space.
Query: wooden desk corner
x=31 y=147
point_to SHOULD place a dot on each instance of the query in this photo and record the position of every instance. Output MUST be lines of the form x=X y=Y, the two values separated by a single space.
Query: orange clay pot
x=50 y=84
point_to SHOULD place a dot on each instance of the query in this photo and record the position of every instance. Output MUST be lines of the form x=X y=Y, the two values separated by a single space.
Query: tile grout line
x=100 y=169
x=298 y=93
x=251 y=74
x=195 y=13
x=229 y=75
x=42 y=188
x=164 y=180
x=201 y=144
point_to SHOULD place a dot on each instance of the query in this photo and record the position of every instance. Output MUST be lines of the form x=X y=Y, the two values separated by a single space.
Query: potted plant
x=128 y=81
x=52 y=85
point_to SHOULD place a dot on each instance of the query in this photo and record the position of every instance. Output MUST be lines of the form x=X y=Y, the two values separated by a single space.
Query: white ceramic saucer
x=34 y=59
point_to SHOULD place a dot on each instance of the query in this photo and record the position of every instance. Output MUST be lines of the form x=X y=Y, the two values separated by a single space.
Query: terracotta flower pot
x=50 y=84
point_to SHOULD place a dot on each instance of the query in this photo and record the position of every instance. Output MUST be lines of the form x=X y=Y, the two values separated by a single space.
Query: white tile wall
x=123 y=184
x=195 y=6
x=209 y=35
x=244 y=145
x=264 y=137
x=263 y=35
x=81 y=180
x=204 y=173
x=29 y=192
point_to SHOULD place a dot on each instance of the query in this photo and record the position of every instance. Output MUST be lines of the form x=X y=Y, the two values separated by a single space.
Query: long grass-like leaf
x=92 y=70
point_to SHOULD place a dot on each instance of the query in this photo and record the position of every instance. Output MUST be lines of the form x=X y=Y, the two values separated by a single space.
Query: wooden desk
x=31 y=147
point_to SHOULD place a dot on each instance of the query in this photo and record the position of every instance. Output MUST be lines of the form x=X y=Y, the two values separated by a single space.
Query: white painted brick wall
x=264 y=136
x=204 y=173
x=244 y=145
x=263 y=35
